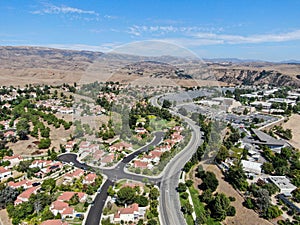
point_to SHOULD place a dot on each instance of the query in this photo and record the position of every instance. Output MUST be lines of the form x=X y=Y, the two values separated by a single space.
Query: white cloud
x=105 y=47
x=258 y=38
x=53 y=9
x=161 y=30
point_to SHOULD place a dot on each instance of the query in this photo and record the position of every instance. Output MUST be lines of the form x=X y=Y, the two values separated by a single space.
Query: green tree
x=222 y=154
x=187 y=208
x=181 y=187
x=126 y=195
x=268 y=167
x=23 y=128
x=236 y=177
x=272 y=212
x=209 y=181
x=48 y=185
x=74 y=200
x=219 y=207
x=141 y=200
x=44 y=143
x=154 y=193
x=166 y=104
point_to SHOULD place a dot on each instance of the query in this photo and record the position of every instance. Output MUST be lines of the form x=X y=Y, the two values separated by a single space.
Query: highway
x=169 y=204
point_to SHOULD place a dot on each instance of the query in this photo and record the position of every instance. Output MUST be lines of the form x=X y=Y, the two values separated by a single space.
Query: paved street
x=169 y=208
x=169 y=204
x=113 y=175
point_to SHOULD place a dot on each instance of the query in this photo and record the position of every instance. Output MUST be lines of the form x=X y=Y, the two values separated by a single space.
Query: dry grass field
x=294 y=124
x=243 y=215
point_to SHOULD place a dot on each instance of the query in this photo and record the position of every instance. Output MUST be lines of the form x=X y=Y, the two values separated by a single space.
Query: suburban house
x=70 y=145
x=284 y=184
x=89 y=179
x=142 y=165
x=24 y=183
x=63 y=208
x=40 y=163
x=109 y=158
x=14 y=160
x=54 y=222
x=74 y=175
x=130 y=213
x=25 y=195
x=4 y=172
x=66 y=196
x=120 y=146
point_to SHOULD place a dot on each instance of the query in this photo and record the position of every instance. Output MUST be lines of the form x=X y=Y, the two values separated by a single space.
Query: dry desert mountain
x=35 y=65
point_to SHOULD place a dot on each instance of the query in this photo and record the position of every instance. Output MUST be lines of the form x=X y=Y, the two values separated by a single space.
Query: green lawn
x=188 y=218
x=198 y=206
x=80 y=207
x=161 y=124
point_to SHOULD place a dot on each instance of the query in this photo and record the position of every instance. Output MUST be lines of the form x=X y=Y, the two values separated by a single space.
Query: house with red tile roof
x=4 y=172
x=131 y=213
x=84 y=146
x=24 y=183
x=40 y=163
x=63 y=208
x=54 y=222
x=140 y=130
x=89 y=179
x=70 y=145
x=120 y=146
x=9 y=133
x=54 y=167
x=74 y=175
x=109 y=158
x=140 y=164
x=97 y=155
x=177 y=137
x=66 y=196
x=14 y=160
x=154 y=156
x=25 y=195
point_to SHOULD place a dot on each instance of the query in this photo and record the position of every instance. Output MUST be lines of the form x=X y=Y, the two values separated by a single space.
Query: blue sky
x=256 y=29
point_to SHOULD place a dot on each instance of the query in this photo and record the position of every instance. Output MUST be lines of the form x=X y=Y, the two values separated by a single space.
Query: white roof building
x=251 y=167
x=284 y=184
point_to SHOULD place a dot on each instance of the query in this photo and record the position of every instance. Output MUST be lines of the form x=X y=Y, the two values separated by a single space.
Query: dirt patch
x=243 y=215
x=294 y=124
x=4 y=219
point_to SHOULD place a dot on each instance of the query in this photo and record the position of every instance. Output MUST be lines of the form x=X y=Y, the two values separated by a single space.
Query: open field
x=243 y=215
x=294 y=124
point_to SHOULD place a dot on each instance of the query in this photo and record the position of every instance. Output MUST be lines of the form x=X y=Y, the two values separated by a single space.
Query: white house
x=4 y=172
x=284 y=184
x=251 y=167
x=130 y=213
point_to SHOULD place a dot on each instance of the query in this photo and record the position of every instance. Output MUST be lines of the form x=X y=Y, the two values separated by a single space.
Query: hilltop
x=22 y=65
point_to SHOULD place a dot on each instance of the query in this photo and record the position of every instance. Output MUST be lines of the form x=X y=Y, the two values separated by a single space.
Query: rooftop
x=282 y=182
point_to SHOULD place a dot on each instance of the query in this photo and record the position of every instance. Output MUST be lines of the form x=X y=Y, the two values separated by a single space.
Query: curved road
x=94 y=215
x=169 y=204
x=169 y=207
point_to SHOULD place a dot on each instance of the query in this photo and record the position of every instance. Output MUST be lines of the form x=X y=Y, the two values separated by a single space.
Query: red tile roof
x=66 y=196
x=23 y=183
x=59 y=205
x=140 y=164
x=26 y=194
x=90 y=177
x=3 y=170
x=54 y=222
